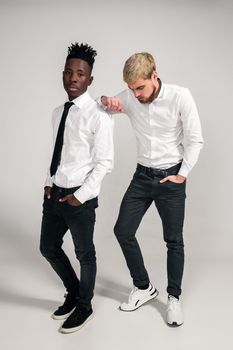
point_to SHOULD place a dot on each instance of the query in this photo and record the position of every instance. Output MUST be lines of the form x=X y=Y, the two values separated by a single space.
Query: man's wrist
x=181 y=177
x=103 y=99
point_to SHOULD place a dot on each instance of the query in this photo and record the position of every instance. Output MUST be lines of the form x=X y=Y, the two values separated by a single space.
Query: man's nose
x=137 y=93
x=74 y=77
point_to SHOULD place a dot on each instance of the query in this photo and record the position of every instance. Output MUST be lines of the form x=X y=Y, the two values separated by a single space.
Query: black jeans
x=169 y=198
x=57 y=218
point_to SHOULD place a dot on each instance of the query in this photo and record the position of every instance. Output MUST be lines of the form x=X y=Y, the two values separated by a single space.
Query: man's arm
x=49 y=179
x=193 y=140
x=103 y=149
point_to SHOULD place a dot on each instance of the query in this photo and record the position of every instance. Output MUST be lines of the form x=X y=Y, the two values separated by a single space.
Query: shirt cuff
x=49 y=181
x=82 y=195
x=98 y=100
x=183 y=172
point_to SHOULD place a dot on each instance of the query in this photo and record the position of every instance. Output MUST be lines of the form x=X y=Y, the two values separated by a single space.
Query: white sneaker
x=174 y=312
x=138 y=297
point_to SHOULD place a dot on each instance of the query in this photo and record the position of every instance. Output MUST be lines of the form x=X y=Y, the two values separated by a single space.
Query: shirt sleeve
x=193 y=140
x=49 y=179
x=103 y=158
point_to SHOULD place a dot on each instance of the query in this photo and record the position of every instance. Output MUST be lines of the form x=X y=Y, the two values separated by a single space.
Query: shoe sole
x=153 y=296
x=62 y=317
x=74 y=329
x=174 y=324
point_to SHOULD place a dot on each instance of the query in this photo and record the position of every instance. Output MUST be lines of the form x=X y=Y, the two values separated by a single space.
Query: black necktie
x=59 y=140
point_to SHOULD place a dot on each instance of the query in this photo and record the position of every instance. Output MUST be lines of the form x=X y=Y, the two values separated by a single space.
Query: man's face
x=76 y=77
x=145 y=89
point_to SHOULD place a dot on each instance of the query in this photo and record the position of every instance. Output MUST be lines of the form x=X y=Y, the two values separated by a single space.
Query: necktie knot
x=68 y=105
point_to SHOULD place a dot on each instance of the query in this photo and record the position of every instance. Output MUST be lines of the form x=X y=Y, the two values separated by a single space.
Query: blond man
x=168 y=134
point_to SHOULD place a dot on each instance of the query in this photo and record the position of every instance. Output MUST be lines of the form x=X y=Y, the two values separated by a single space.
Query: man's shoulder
x=59 y=108
x=57 y=112
x=173 y=91
x=98 y=111
x=174 y=88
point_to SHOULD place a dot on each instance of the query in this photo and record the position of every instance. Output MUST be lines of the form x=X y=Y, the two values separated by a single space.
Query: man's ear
x=91 y=80
x=154 y=75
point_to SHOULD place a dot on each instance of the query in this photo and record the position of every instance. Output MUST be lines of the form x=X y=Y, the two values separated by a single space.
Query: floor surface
x=30 y=292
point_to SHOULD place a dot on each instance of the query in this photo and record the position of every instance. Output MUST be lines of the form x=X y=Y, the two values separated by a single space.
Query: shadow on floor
x=160 y=307
x=23 y=300
x=113 y=290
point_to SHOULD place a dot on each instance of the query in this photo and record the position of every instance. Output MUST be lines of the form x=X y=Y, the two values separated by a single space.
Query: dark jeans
x=80 y=220
x=169 y=199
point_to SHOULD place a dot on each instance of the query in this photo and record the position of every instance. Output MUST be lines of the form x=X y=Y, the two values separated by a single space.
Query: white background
x=192 y=44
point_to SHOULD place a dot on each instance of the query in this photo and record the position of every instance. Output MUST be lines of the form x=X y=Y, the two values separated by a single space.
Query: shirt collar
x=161 y=91
x=82 y=99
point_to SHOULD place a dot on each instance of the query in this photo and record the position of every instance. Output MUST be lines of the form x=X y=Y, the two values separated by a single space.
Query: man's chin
x=142 y=100
x=72 y=96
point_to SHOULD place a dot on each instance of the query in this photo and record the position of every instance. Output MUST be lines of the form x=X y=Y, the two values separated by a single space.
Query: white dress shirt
x=167 y=130
x=87 y=152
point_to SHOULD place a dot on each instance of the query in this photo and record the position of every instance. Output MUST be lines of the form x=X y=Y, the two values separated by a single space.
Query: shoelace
x=77 y=313
x=132 y=293
x=67 y=295
x=67 y=300
x=173 y=302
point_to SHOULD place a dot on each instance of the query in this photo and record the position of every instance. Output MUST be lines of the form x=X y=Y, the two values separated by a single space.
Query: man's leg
x=171 y=206
x=81 y=221
x=53 y=229
x=134 y=205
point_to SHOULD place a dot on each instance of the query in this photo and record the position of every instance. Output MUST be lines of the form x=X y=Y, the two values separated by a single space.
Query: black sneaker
x=77 y=320
x=64 y=310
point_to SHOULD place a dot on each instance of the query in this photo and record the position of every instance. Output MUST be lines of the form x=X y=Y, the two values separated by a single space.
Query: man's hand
x=179 y=179
x=71 y=199
x=47 y=191
x=112 y=103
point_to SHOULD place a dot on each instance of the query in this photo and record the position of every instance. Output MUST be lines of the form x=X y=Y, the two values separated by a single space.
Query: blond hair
x=139 y=65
